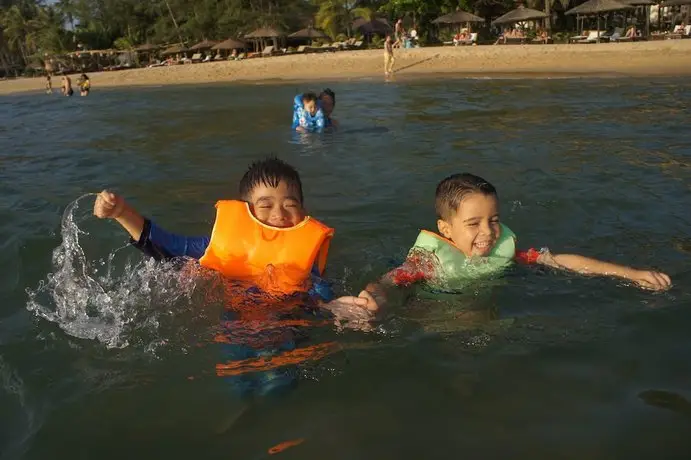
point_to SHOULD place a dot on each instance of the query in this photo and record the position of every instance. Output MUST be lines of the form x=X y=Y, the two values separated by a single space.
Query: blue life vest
x=311 y=123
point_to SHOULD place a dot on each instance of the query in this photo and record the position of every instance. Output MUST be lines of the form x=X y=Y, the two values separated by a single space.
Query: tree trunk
x=548 y=19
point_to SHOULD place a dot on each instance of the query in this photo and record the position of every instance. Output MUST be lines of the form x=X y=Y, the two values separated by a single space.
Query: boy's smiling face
x=474 y=227
x=278 y=206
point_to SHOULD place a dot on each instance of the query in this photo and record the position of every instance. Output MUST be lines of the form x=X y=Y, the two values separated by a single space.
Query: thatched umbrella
x=203 y=45
x=146 y=48
x=175 y=49
x=230 y=44
x=259 y=35
x=520 y=14
x=377 y=26
x=597 y=7
x=674 y=3
x=310 y=33
x=459 y=17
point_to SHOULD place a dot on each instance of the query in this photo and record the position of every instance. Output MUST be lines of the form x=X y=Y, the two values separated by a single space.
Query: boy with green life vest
x=472 y=243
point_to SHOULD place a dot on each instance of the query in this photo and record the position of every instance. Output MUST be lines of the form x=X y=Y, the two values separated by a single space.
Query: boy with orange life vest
x=266 y=242
x=287 y=247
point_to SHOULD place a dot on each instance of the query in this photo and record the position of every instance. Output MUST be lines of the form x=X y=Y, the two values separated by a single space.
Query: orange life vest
x=277 y=260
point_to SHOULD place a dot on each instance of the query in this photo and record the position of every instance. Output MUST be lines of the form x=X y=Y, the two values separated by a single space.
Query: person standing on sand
x=49 y=85
x=399 y=31
x=388 y=56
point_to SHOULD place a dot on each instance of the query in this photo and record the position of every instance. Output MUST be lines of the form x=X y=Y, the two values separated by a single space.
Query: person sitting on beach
x=541 y=35
x=66 y=86
x=473 y=243
x=631 y=32
x=84 y=85
x=308 y=117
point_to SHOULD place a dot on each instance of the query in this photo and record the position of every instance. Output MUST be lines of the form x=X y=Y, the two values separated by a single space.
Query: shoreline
x=605 y=60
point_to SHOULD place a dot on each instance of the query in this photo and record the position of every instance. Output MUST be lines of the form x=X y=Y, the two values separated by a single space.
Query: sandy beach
x=654 y=58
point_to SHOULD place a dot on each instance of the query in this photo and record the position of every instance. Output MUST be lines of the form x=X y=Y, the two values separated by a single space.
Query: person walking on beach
x=388 y=56
x=49 y=85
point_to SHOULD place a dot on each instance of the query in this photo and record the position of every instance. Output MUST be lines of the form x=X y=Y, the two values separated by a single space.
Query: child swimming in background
x=67 y=86
x=308 y=117
x=84 y=85
x=271 y=251
x=472 y=242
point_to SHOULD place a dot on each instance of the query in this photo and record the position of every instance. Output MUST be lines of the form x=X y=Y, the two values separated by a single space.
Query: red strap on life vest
x=528 y=257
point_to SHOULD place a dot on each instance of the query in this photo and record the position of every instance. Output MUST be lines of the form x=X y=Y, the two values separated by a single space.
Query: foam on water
x=88 y=300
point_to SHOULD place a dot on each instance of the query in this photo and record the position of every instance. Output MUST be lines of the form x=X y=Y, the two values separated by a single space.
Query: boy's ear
x=444 y=228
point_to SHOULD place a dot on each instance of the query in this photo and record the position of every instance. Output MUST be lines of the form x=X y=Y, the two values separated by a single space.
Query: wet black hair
x=269 y=171
x=308 y=97
x=329 y=92
x=452 y=190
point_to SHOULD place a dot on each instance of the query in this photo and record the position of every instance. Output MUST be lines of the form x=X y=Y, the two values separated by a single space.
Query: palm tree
x=548 y=10
x=335 y=15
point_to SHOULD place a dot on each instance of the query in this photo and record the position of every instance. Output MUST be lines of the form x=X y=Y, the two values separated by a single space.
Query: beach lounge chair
x=268 y=51
x=576 y=38
x=593 y=37
x=197 y=57
x=218 y=57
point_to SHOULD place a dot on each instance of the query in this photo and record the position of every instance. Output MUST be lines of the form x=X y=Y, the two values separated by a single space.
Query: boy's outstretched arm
x=146 y=235
x=108 y=205
x=587 y=266
x=375 y=297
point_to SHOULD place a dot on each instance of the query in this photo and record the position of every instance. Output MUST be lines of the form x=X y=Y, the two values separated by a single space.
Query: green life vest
x=454 y=269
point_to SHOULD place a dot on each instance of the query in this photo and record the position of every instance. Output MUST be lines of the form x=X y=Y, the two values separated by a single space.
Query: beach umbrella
x=230 y=44
x=308 y=32
x=265 y=32
x=458 y=17
x=599 y=6
x=675 y=2
x=258 y=35
x=640 y=2
x=374 y=26
x=146 y=47
x=520 y=14
x=203 y=45
x=175 y=49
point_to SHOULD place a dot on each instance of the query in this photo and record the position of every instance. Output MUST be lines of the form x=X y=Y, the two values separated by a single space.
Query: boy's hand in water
x=655 y=281
x=353 y=312
x=108 y=205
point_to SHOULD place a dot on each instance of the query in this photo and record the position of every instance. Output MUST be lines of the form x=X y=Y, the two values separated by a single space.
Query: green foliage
x=39 y=27
x=122 y=43
x=338 y=15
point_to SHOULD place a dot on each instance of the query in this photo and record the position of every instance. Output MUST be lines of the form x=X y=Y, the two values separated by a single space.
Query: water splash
x=91 y=300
